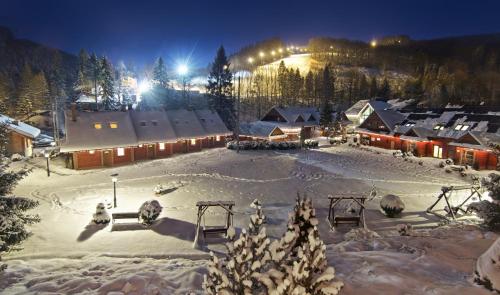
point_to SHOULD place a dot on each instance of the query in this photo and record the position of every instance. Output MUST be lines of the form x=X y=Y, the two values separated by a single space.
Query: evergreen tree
x=83 y=85
x=385 y=89
x=13 y=219
x=364 y=88
x=5 y=99
x=309 y=87
x=33 y=93
x=373 y=87
x=328 y=93
x=219 y=88
x=160 y=77
x=107 y=85
x=282 y=82
x=95 y=71
x=326 y=115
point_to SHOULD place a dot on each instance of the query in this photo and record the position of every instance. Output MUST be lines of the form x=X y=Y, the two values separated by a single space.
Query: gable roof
x=212 y=122
x=186 y=124
x=19 y=127
x=390 y=118
x=82 y=135
x=356 y=108
x=261 y=129
x=291 y=114
x=152 y=126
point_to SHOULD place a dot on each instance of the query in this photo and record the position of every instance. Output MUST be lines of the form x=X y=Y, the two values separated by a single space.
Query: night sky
x=142 y=30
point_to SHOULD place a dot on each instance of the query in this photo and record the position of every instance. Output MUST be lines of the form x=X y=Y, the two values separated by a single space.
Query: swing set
x=447 y=193
x=203 y=206
x=350 y=208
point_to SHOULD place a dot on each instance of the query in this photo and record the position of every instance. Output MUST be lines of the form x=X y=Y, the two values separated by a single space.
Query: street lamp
x=183 y=70
x=373 y=43
x=250 y=60
x=46 y=154
x=262 y=54
x=114 y=179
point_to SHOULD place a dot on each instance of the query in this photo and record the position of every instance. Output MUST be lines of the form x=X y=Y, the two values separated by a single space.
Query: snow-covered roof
x=212 y=122
x=260 y=129
x=296 y=116
x=390 y=118
x=356 y=108
x=82 y=134
x=19 y=127
x=186 y=124
x=152 y=126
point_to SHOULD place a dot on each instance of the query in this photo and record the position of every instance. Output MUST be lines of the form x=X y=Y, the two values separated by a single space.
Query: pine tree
x=364 y=88
x=160 y=78
x=282 y=82
x=373 y=87
x=385 y=89
x=83 y=85
x=5 y=96
x=309 y=87
x=107 y=85
x=13 y=219
x=219 y=88
x=33 y=93
x=95 y=75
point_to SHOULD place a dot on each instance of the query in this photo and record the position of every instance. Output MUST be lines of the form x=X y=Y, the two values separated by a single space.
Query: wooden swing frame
x=359 y=220
x=202 y=208
x=446 y=193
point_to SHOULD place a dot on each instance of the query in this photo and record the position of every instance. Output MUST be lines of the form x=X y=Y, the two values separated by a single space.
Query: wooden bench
x=207 y=230
x=125 y=215
x=347 y=220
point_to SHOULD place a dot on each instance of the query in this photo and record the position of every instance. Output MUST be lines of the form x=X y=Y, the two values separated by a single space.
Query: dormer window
x=465 y=127
x=113 y=125
x=143 y=123
x=410 y=124
x=458 y=127
x=97 y=125
x=439 y=127
x=154 y=123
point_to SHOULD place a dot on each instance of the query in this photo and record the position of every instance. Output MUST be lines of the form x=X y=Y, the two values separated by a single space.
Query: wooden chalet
x=20 y=136
x=105 y=139
x=260 y=130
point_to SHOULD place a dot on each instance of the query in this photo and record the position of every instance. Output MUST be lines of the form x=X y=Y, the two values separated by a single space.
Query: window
x=113 y=125
x=120 y=152
x=91 y=152
x=458 y=127
x=97 y=125
x=465 y=127
x=161 y=146
x=140 y=145
x=193 y=141
x=143 y=123
x=378 y=138
x=437 y=152
x=410 y=124
x=154 y=123
x=217 y=138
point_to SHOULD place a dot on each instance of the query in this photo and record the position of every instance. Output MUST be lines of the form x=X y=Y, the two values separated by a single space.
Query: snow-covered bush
x=149 y=211
x=487 y=272
x=360 y=234
x=311 y=143
x=489 y=210
x=392 y=205
x=100 y=216
x=254 y=265
x=405 y=229
x=16 y=157
x=262 y=145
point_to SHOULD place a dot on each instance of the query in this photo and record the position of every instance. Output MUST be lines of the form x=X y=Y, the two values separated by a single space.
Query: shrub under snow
x=149 y=211
x=489 y=210
x=101 y=216
x=487 y=271
x=262 y=145
x=392 y=205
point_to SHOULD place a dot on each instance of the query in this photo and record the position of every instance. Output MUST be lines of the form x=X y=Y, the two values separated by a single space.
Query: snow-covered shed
x=21 y=136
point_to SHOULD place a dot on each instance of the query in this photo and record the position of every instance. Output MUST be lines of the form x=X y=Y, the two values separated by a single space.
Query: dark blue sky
x=142 y=30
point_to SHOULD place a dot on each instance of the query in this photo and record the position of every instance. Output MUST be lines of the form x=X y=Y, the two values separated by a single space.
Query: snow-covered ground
x=67 y=255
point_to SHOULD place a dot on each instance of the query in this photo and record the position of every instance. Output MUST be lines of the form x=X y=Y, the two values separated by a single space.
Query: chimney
x=73 y=112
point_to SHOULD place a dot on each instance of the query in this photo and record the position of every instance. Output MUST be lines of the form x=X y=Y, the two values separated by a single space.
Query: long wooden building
x=105 y=139
x=464 y=137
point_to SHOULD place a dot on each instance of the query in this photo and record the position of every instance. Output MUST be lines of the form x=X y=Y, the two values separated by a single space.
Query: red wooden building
x=105 y=139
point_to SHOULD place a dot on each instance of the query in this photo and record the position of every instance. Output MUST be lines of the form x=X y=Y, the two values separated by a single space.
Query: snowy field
x=66 y=255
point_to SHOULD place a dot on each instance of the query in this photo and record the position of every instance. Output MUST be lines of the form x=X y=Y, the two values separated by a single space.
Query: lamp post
x=183 y=70
x=46 y=153
x=114 y=179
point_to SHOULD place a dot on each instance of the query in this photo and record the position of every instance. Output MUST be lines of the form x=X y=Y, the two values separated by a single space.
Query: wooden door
x=107 y=158
x=151 y=151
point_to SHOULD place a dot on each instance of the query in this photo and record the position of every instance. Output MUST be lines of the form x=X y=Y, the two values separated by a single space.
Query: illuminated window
x=120 y=152
x=140 y=145
x=91 y=152
x=113 y=125
x=217 y=138
x=373 y=138
x=378 y=138
x=465 y=127
x=161 y=146
x=97 y=125
x=458 y=127
x=193 y=141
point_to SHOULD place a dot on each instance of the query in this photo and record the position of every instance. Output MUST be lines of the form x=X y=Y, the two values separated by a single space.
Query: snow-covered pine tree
x=220 y=85
x=160 y=77
x=25 y=97
x=95 y=74
x=107 y=85
x=489 y=211
x=5 y=93
x=13 y=217
x=247 y=256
